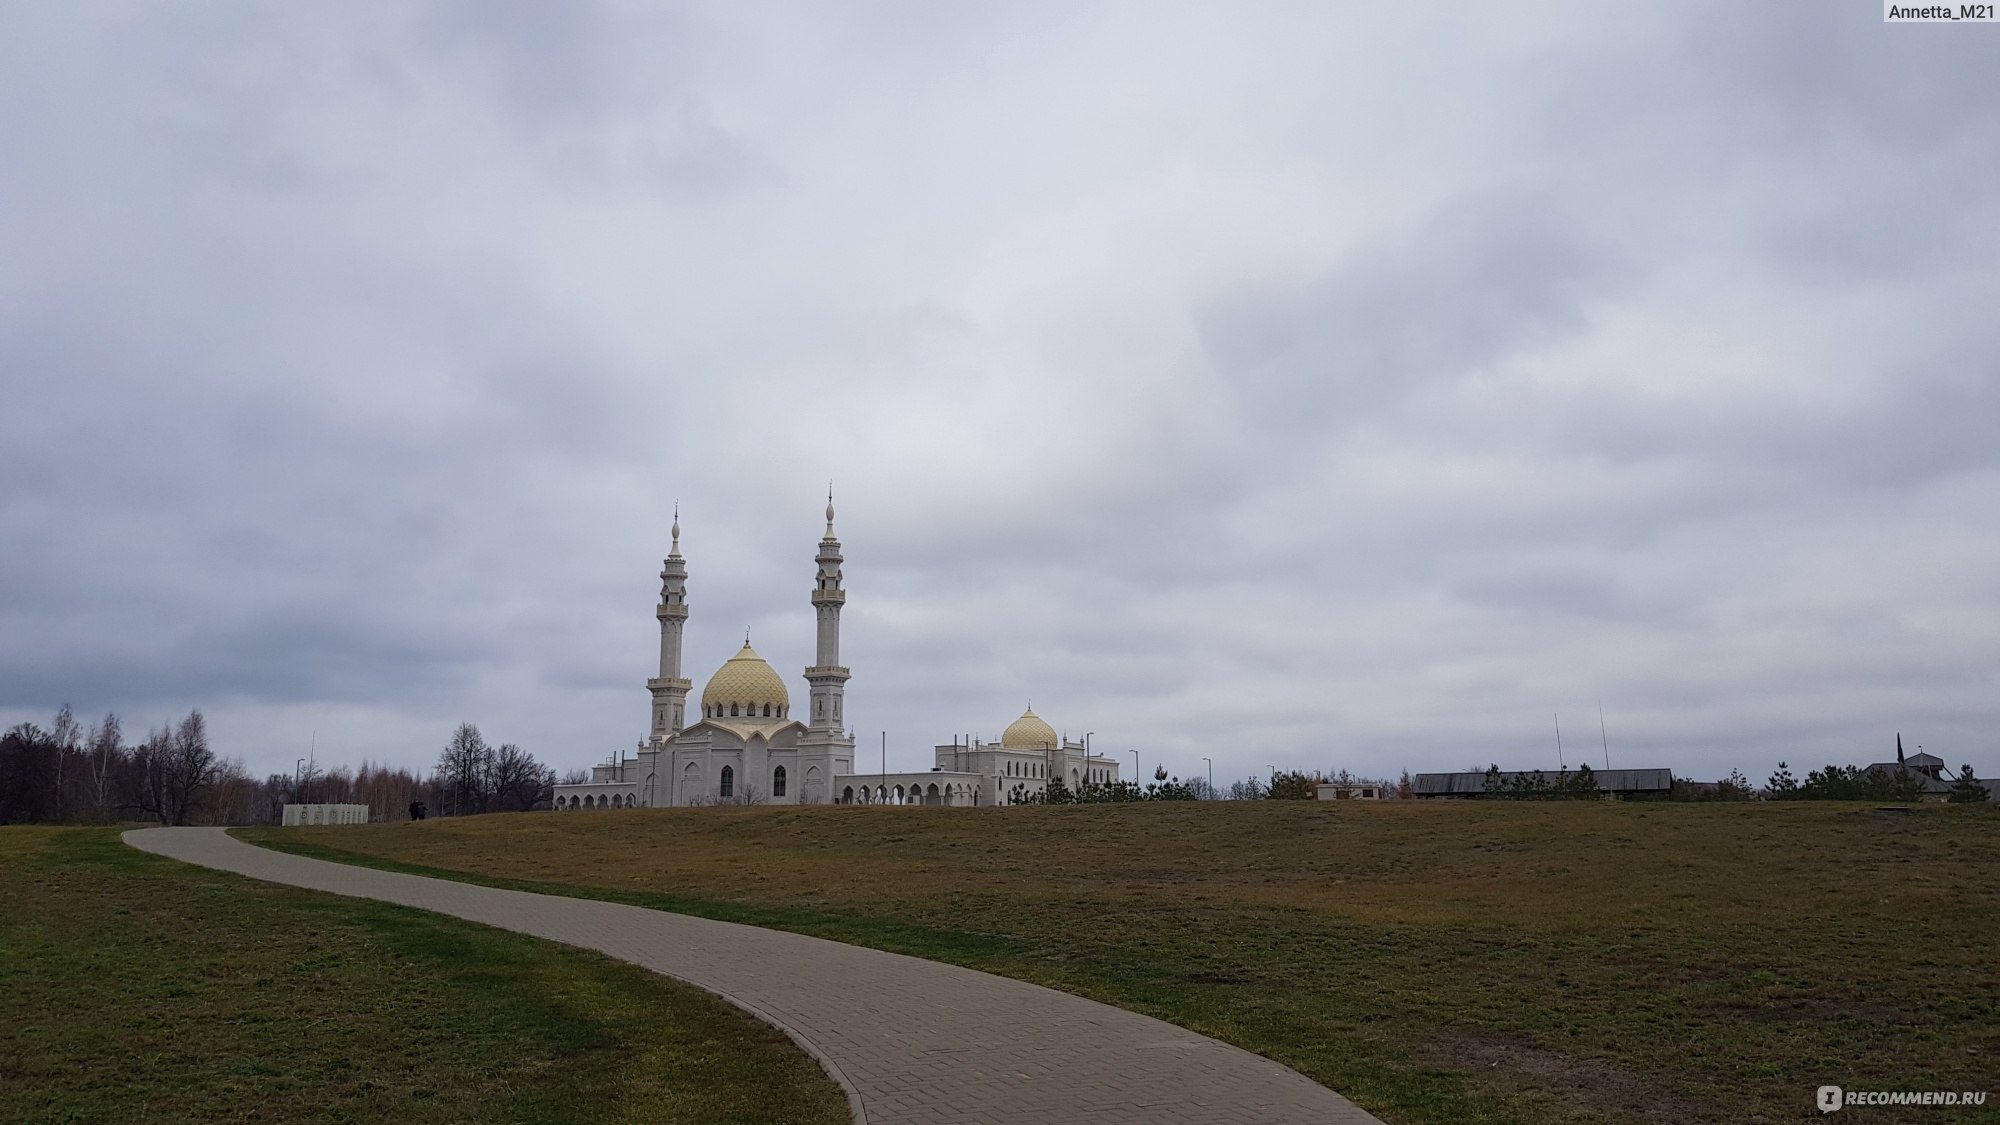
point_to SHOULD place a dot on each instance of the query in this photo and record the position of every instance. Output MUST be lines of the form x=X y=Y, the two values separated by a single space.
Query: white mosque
x=747 y=748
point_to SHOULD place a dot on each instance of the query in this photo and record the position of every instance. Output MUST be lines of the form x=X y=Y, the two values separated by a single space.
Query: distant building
x=1928 y=769
x=1626 y=785
x=748 y=746
x=297 y=815
x=1348 y=791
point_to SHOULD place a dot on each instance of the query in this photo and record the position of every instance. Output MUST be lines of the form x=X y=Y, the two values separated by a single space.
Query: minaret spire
x=670 y=688
x=827 y=677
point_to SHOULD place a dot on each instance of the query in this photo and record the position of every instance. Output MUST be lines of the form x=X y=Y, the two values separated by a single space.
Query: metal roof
x=1892 y=769
x=1473 y=782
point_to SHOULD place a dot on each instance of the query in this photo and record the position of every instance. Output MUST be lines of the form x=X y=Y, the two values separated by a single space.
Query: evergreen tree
x=1582 y=785
x=1294 y=785
x=1782 y=786
x=1735 y=787
x=1967 y=789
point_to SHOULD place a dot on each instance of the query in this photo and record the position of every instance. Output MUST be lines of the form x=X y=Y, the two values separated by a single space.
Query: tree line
x=1851 y=783
x=67 y=773
x=1285 y=785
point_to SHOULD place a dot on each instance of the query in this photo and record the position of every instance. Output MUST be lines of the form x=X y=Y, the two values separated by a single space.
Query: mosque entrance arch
x=691 y=783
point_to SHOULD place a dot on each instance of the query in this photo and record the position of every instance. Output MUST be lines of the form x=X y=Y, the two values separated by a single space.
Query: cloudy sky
x=1292 y=384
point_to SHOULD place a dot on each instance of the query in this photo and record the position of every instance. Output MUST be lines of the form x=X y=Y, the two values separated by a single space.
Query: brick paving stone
x=909 y=1040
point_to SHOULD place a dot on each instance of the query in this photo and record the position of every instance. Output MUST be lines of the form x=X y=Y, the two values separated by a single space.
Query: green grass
x=136 y=989
x=1462 y=962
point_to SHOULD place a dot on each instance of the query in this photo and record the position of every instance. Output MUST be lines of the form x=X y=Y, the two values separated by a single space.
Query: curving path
x=910 y=1040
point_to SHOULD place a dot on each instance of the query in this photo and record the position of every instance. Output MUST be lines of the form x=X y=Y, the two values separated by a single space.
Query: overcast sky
x=1306 y=385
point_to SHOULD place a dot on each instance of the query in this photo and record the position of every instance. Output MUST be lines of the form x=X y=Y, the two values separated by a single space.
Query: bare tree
x=184 y=767
x=65 y=736
x=519 y=781
x=106 y=753
x=231 y=796
x=271 y=798
x=1251 y=788
x=465 y=769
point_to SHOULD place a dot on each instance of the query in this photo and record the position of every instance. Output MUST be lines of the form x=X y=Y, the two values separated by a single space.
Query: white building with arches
x=747 y=747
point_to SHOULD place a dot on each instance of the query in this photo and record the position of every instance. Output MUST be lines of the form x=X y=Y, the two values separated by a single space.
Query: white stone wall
x=951 y=788
x=297 y=815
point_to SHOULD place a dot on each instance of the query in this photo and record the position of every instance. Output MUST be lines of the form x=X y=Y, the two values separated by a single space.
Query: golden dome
x=743 y=687
x=1029 y=732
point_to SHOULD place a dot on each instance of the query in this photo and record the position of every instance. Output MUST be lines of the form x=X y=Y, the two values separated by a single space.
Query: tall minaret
x=827 y=676
x=669 y=689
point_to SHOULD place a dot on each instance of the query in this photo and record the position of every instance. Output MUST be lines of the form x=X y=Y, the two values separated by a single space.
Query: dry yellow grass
x=1439 y=962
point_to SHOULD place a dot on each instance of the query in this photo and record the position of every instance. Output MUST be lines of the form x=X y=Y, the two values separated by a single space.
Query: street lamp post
x=1211 y=776
x=1086 y=755
x=1135 y=767
x=298 y=782
x=1274 y=777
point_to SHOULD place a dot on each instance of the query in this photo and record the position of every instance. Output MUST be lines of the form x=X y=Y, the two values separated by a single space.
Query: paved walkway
x=910 y=1040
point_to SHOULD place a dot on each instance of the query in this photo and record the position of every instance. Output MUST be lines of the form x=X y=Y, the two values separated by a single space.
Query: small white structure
x=1348 y=791
x=296 y=815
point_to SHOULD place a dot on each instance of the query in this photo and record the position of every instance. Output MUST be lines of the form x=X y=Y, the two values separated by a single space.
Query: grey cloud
x=1481 y=277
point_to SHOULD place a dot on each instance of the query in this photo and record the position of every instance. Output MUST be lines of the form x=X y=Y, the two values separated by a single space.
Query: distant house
x=1348 y=791
x=1625 y=785
x=1926 y=768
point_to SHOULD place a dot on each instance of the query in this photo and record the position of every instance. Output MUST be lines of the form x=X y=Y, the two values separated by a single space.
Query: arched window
x=590 y=802
x=733 y=709
x=778 y=782
x=767 y=710
x=729 y=781
x=631 y=800
x=847 y=795
x=822 y=708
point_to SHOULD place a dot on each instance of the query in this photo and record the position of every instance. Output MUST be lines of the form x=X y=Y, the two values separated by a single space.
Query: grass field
x=1457 y=962
x=137 y=989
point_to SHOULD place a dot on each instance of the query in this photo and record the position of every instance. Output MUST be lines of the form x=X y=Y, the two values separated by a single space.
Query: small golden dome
x=747 y=684
x=1029 y=732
